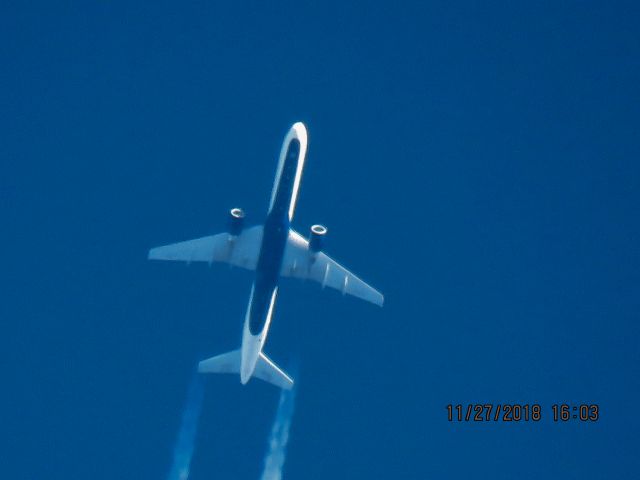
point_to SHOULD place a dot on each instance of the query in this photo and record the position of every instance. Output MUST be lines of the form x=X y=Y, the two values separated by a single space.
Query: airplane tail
x=265 y=370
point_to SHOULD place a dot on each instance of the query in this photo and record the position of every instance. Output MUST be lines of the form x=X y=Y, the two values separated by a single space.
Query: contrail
x=274 y=461
x=185 y=444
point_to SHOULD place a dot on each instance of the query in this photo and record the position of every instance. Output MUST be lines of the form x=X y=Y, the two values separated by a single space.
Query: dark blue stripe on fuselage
x=274 y=240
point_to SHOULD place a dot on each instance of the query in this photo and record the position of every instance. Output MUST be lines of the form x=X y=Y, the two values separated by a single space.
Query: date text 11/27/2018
x=527 y=412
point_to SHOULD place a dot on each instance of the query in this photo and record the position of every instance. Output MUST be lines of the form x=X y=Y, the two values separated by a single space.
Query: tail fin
x=265 y=370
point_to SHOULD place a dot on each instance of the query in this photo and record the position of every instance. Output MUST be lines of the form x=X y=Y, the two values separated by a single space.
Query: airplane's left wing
x=299 y=262
x=241 y=251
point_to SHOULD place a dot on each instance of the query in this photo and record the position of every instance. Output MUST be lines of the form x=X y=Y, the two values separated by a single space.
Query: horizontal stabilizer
x=226 y=363
x=265 y=369
x=269 y=372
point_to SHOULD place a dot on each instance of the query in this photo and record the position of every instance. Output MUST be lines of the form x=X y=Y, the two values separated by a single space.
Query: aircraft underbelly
x=268 y=272
x=274 y=239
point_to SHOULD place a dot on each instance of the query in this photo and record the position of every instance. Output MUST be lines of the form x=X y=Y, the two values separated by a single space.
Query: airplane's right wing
x=299 y=262
x=241 y=251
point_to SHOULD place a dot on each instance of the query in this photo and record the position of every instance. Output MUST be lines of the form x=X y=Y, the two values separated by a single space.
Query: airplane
x=272 y=250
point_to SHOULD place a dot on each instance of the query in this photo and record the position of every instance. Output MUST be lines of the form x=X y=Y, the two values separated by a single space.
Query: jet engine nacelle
x=236 y=221
x=316 y=239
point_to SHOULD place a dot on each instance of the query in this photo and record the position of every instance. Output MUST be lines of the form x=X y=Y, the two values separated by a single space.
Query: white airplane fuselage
x=276 y=230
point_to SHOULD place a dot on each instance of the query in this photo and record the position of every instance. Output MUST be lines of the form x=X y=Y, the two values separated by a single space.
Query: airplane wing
x=241 y=251
x=299 y=262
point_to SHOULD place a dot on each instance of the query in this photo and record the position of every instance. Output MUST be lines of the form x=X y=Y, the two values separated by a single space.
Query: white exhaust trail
x=274 y=461
x=185 y=443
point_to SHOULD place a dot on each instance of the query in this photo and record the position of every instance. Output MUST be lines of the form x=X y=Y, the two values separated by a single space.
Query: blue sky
x=478 y=163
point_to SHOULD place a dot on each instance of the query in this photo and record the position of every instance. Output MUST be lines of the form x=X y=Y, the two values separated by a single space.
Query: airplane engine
x=236 y=221
x=316 y=238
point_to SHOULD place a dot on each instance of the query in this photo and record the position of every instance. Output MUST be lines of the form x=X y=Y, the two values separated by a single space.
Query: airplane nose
x=301 y=131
